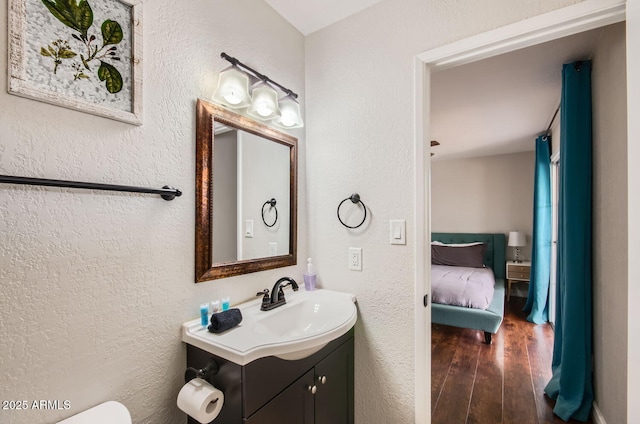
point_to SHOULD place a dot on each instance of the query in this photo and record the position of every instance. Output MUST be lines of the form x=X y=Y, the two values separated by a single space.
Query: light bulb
x=232 y=98
x=263 y=111
x=287 y=122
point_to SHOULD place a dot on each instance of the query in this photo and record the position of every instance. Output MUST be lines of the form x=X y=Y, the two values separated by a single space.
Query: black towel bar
x=166 y=192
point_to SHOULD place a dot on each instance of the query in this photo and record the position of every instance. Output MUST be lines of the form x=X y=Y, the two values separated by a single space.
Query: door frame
x=584 y=16
x=555 y=192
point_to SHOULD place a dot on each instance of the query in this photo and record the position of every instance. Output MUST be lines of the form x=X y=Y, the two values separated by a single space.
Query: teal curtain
x=538 y=298
x=572 y=383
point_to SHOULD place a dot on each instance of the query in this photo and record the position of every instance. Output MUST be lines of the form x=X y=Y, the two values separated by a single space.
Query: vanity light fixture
x=289 y=113
x=262 y=103
x=233 y=88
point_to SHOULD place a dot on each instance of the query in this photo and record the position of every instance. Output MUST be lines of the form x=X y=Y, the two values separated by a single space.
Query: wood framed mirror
x=242 y=166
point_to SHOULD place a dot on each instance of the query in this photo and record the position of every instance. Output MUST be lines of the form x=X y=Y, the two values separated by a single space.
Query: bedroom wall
x=633 y=196
x=94 y=285
x=360 y=121
x=489 y=194
x=610 y=229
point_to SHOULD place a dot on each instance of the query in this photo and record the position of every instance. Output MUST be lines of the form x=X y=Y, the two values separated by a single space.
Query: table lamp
x=517 y=239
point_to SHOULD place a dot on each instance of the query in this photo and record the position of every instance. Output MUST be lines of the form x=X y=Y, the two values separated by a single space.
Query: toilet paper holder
x=205 y=373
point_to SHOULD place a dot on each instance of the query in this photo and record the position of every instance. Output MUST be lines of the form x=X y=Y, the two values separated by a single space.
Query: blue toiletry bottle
x=309 y=277
x=226 y=303
x=204 y=314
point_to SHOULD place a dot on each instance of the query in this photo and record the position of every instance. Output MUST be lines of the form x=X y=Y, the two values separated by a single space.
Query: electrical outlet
x=273 y=248
x=355 y=258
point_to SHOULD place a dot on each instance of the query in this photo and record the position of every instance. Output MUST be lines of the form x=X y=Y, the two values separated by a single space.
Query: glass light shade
x=289 y=113
x=233 y=88
x=264 y=102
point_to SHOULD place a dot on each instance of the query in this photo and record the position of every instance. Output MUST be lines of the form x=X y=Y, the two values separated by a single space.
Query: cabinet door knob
x=313 y=389
x=322 y=379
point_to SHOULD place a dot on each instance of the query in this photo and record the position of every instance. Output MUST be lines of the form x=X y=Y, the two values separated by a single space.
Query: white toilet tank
x=106 y=413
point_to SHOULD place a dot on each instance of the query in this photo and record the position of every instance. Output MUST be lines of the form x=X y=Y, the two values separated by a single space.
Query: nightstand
x=517 y=271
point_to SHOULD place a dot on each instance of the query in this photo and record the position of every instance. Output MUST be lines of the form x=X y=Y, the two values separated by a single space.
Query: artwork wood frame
x=76 y=54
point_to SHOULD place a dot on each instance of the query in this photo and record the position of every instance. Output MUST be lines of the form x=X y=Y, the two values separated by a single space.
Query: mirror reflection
x=246 y=191
x=248 y=172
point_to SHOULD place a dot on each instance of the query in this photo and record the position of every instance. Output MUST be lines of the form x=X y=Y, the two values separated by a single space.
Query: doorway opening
x=550 y=26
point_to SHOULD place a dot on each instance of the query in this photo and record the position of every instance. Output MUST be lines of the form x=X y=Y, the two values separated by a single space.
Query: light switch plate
x=248 y=228
x=397 y=231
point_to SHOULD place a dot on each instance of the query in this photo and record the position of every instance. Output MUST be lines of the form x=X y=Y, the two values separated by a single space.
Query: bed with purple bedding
x=462 y=286
x=471 y=295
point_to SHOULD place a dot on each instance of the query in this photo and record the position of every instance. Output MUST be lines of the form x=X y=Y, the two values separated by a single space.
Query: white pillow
x=439 y=243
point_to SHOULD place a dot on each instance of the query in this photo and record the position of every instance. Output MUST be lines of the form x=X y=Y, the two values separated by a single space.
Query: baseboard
x=598 y=418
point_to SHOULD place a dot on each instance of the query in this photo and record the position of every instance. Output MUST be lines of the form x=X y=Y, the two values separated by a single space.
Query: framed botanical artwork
x=80 y=54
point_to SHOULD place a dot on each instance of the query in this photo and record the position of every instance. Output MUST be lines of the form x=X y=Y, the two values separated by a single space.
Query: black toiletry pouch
x=223 y=321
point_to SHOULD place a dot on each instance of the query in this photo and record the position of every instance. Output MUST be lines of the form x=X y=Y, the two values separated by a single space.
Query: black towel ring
x=272 y=204
x=355 y=198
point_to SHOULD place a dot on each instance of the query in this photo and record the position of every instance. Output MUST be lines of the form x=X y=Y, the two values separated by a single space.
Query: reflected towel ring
x=355 y=198
x=272 y=204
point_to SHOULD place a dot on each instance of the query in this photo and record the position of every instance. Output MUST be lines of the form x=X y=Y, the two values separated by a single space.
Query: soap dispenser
x=310 y=277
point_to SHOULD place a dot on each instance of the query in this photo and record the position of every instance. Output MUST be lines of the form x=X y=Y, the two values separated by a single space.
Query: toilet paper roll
x=200 y=400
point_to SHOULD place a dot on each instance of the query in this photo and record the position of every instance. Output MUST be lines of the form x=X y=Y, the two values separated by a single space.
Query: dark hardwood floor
x=472 y=382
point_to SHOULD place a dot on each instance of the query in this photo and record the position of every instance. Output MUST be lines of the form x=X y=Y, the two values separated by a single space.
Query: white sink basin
x=301 y=327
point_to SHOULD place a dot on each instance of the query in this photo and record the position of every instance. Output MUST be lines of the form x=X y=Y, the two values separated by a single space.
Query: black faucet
x=277 y=295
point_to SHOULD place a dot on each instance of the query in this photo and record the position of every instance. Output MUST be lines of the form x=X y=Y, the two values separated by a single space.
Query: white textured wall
x=360 y=139
x=488 y=194
x=94 y=286
x=610 y=263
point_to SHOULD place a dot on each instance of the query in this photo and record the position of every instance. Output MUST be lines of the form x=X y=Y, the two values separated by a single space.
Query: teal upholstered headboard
x=494 y=256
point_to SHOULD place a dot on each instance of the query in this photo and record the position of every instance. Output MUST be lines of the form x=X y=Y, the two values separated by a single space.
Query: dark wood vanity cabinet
x=295 y=405
x=313 y=390
x=334 y=398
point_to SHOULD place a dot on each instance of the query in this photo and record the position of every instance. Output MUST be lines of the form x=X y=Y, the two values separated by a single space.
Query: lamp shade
x=289 y=113
x=517 y=239
x=264 y=102
x=233 y=88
